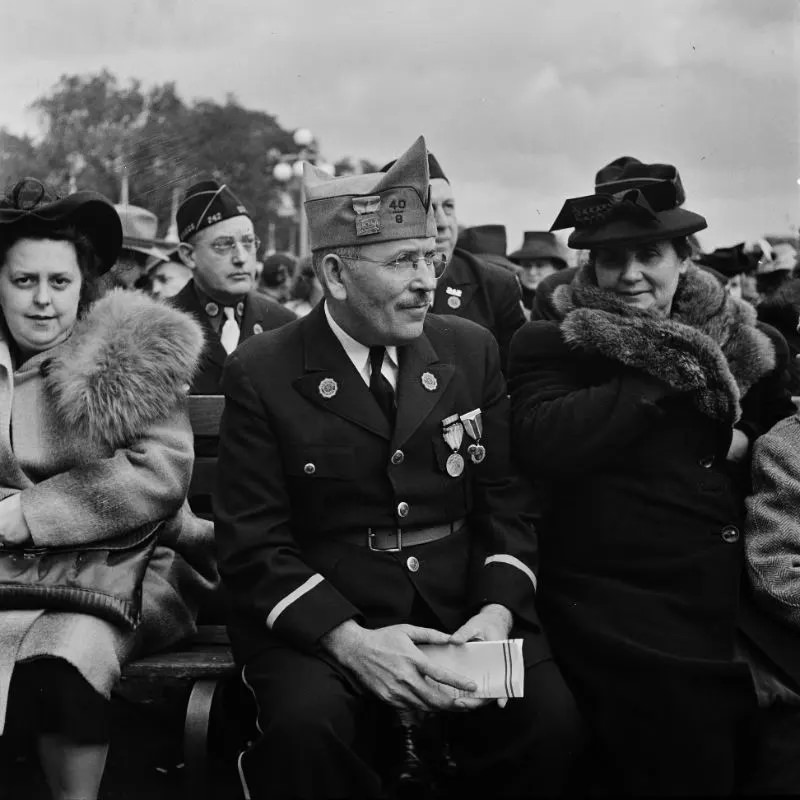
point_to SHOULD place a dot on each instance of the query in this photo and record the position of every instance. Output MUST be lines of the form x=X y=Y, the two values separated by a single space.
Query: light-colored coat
x=102 y=444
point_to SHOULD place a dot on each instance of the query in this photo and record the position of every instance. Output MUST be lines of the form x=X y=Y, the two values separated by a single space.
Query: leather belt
x=393 y=540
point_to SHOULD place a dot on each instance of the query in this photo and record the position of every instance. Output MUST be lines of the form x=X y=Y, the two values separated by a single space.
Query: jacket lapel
x=331 y=381
x=458 y=278
x=213 y=352
x=420 y=385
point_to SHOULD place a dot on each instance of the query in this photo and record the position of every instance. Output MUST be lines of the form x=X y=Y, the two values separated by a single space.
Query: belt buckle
x=371 y=537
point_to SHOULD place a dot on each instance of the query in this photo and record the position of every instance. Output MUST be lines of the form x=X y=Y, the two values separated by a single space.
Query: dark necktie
x=380 y=387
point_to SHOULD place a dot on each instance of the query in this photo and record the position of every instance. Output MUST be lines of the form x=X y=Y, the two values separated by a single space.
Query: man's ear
x=186 y=253
x=331 y=275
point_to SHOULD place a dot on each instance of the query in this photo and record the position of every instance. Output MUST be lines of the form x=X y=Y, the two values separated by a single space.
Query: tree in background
x=97 y=133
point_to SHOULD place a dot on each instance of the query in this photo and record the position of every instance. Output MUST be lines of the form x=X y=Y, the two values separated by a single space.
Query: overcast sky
x=521 y=100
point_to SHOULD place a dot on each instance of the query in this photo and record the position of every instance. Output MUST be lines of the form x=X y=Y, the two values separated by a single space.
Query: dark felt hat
x=29 y=206
x=633 y=203
x=540 y=244
x=278 y=268
x=204 y=204
x=482 y=239
x=729 y=261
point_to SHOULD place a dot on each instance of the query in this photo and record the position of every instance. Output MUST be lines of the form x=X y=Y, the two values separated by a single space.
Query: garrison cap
x=376 y=207
x=205 y=204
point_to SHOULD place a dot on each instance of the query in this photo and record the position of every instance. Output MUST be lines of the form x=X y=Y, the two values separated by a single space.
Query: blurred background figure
x=541 y=255
x=775 y=267
x=488 y=242
x=165 y=278
x=139 y=248
x=729 y=265
x=306 y=289
x=277 y=275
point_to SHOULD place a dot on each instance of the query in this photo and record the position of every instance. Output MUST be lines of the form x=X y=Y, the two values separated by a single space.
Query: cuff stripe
x=290 y=598
x=512 y=561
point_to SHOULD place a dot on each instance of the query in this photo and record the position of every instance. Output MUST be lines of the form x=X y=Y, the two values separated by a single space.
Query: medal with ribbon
x=473 y=425
x=453 y=435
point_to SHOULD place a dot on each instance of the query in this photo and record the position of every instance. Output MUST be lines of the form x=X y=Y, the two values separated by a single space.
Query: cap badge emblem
x=328 y=388
x=367 y=220
x=429 y=381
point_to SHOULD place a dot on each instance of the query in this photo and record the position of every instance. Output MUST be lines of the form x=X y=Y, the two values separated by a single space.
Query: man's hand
x=389 y=663
x=492 y=623
x=13 y=528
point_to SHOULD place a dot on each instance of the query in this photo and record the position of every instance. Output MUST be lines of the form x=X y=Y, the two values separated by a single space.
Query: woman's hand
x=740 y=445
x=13 y=528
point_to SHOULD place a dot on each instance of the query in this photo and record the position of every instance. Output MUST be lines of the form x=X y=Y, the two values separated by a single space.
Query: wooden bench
x=206 y=659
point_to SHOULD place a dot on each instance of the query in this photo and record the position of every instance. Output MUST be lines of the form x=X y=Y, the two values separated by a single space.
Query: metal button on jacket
x=402 y=509
x=412 y=562
x=309 y=469
x=398 y=457
x=706 y=462
x=730 y=534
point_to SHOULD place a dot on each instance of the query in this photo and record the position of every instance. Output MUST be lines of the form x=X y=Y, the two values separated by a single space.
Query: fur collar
x=710 y=345
x=126 y=365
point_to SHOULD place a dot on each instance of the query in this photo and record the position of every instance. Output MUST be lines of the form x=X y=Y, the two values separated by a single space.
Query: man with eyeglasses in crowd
x=358 y=517
x=218 y=243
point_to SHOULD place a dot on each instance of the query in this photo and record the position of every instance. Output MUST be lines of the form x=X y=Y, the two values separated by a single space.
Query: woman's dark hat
x=540 y=244
x=729 y=261
x=28 y=205
x=633 y=203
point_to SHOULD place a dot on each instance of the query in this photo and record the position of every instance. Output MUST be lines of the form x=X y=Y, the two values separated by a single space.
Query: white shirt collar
x=359 y=353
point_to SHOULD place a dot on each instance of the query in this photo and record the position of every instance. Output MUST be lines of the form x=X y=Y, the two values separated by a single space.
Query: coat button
x=706 y=462
x=412 y=562
x=730 y=534
x=402 y=509
x=309 y=469
x=398 y=457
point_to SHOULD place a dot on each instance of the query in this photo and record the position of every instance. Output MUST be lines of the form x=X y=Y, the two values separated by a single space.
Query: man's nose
x=239 y=253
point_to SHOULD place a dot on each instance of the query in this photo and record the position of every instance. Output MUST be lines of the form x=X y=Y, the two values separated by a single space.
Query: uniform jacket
x=102 y=444
x=626 y=420
x=305 y=452
x=260 y=314
x=483 y=292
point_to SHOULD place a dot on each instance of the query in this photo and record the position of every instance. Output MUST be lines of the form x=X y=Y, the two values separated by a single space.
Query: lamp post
x=289 y=171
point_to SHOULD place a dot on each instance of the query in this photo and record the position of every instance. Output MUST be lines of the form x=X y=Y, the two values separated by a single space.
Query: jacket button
x=412 y=562
x=730 y=534
x=309 y=469
x=706 y=462
x=398 y=457
x=402 y=509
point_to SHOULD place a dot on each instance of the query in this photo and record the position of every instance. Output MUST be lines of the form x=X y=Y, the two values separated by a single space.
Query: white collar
x=359 y=353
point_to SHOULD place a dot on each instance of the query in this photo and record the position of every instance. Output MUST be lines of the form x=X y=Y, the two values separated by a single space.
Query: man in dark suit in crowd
x=367 y=505
x=218 y=243
x=471 y=287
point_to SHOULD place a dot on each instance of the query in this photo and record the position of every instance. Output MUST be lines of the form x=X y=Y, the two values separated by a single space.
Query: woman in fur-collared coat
x=635 y=409
x=94 y=441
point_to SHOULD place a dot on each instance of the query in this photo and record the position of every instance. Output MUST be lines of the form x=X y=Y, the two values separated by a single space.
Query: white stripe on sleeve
x=291 y=598
x=512 y=561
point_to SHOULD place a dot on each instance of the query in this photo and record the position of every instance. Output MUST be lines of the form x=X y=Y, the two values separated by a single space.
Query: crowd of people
x=592 y=448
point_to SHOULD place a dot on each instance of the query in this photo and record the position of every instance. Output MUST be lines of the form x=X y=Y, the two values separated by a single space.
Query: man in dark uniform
x=218 y=243
x=367 y=505
x=471 y=287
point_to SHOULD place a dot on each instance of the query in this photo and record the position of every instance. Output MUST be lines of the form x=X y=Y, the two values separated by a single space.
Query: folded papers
x=496 y=667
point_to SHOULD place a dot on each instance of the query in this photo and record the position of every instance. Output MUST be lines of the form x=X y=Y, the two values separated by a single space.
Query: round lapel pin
x=212 y=309
x=429 y=381
x=328 y=388
x=454 y=302
x=257 y=328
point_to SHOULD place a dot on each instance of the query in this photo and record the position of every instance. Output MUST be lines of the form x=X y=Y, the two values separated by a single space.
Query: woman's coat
x=95 y=436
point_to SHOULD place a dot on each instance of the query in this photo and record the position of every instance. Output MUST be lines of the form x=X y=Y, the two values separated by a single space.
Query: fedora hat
x=729 y=261
x=540 y=244
x=487 y=241
x=28 y=205
x=633 y=203
x=139 y=228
